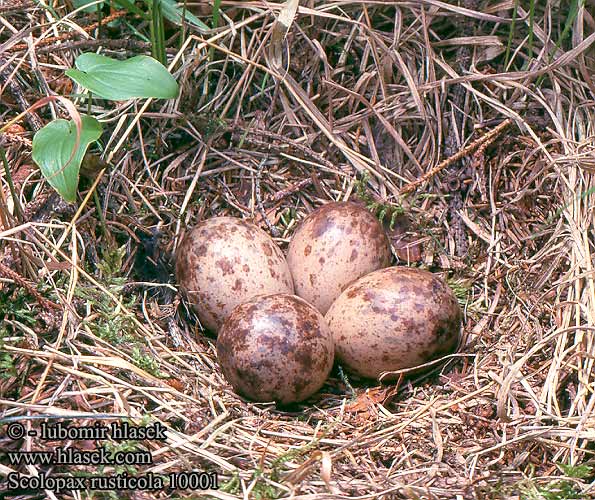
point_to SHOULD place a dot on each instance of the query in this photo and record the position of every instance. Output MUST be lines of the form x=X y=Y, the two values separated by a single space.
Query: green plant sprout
x=59 y=147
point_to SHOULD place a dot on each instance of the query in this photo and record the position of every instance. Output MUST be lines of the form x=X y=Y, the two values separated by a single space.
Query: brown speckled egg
x=275 y=348
x=335 y=245
x=394 y=318
x=225 y=261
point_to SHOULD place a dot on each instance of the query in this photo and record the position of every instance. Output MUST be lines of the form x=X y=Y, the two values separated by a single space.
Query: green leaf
x=173 y=13
x=140 y=76
x=53 y=146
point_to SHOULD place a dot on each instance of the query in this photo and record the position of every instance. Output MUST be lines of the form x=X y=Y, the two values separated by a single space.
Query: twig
x=274 y=231
x=15 y=7
x=17 y=278
x=486 y=140
x=281 y=144
x=288 y=191
x=19 y=212
x=456 y=126
x=119 y=44
x=17 y=139
x=70 y=34
x=15 y=89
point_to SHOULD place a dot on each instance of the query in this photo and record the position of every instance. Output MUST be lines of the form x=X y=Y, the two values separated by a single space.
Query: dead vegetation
x=360 y=99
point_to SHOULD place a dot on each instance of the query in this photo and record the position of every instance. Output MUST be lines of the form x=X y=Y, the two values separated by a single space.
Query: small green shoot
x=157 y=32
x=216 y=13
x=131 y=7
x=571 y=17
x=345 y=379
x=87 y=5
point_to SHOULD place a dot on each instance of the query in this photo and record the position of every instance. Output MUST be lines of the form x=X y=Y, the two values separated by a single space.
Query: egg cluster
x=281 y=322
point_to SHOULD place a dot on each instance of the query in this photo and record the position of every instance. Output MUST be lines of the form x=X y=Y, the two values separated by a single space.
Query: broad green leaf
x=52 y=148
x=173 y=13
x=140 y=76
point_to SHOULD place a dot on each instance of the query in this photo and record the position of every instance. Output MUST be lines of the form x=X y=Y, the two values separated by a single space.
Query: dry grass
x=268 y=129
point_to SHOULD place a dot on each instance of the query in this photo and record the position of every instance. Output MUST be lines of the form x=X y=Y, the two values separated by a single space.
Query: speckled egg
x=394 y=318
x=275 y=348
x=225 y=261
x=335 y=245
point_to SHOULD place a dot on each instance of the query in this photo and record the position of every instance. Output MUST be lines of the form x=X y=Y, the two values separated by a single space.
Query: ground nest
x=467 y=127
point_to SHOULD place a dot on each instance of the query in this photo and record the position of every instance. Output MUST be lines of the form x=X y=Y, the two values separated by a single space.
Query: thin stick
x=17 y=278
x=485 y=139
x=288 y=191
x=13 y=192
x=70 y=34
x=274 y=231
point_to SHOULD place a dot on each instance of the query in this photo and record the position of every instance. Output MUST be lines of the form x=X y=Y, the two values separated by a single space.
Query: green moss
x=381 y=210
x=145 y=362
x=564 y=488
